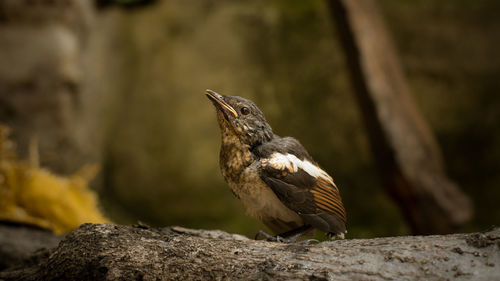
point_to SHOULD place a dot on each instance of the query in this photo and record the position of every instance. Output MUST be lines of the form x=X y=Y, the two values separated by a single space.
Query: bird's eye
x=245 y=110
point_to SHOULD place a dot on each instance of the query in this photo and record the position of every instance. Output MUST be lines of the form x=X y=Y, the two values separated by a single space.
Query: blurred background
x=121 y=83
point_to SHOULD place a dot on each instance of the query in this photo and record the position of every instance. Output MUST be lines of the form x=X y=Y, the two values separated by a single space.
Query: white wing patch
x=292 y=163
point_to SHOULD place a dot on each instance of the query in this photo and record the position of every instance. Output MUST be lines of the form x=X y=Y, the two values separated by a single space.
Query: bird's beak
x=220 y=103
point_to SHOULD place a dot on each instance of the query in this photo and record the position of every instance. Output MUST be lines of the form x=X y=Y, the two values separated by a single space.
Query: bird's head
x=240 y=118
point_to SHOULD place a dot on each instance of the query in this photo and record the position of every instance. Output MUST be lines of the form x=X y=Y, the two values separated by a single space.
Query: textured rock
x=19 y=243
x=109 y=252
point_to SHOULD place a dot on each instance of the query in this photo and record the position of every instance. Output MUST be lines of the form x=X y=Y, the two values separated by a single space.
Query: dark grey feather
x=284 y=146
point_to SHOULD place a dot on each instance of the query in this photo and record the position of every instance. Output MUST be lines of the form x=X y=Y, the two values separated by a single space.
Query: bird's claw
x=308 y=241
x=267 y=236
x=279 y=239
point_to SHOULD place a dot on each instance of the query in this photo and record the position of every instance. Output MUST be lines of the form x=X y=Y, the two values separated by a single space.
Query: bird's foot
x=277 y=238
x=267 y=236
x=308 y=241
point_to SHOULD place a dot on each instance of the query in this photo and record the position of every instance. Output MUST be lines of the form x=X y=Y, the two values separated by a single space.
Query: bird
x=275 y=177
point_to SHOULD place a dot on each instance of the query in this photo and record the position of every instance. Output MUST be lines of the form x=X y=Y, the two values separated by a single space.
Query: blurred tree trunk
x=43 y=48
x=405 y=150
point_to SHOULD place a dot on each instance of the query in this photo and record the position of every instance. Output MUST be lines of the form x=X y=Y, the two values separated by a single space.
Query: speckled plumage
x=240 y=169
x=274 y=177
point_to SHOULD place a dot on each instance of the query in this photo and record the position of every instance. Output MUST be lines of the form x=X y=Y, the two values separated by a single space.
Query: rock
x=111 y=252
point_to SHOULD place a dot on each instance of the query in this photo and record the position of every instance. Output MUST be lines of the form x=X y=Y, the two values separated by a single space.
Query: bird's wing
x=306 y=189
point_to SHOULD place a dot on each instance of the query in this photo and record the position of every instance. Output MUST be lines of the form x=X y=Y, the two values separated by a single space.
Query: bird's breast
x=259 y=200
x=241 y=172
x=234 y=159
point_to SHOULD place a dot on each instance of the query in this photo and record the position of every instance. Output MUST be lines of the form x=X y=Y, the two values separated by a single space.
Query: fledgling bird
x=275 y=177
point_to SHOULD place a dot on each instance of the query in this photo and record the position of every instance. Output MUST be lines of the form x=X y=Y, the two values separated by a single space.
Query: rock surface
x=18 y=244
x=110 y=252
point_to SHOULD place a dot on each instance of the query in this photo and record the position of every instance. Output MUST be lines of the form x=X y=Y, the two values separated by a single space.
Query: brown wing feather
x=316 y=199
x=327 y=198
